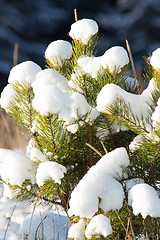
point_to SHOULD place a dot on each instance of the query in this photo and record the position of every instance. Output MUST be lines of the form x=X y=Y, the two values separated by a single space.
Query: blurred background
x=33 y=24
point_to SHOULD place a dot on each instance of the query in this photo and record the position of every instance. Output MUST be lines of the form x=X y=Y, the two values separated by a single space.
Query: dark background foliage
x=33 y=24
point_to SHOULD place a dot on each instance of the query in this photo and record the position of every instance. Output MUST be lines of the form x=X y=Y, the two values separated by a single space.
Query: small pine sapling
x=94 y=141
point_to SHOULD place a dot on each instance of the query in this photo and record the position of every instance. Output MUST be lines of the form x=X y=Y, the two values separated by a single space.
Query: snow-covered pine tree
x=82 y=112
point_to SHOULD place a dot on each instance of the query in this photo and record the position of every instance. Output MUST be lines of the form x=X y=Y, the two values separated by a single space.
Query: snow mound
x=51 y=102
x=110 y=92
x=24 y=73
x=16 y=167
x=70 y=106
x=139 y=104
x=99 y=225
x=131 y=182
x=37 y=156
x=44 y=225
x=76 y=231
x=58 y=51
x=115 y=58
x=49 y=77
x=47 y=170
x=99 y=182
x=83 y=30
x=144 y=200
x=90 y=65
x=154 y=60
x=7 y=97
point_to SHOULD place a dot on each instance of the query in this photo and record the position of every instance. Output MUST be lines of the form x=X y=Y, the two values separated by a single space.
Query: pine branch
x=52 y=134
x=64 y=69
x=132 y=63
x=121 y=113
x=21 y=107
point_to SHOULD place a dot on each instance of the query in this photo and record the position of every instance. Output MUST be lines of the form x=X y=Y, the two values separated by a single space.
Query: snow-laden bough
x=100 y=182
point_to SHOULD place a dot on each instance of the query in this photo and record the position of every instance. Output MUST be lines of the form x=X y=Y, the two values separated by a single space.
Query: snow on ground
x=18 y=217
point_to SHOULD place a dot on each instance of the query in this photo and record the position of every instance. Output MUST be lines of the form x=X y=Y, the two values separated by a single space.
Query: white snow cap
x=37 y=156
x=83 y=30
x=110 y=92
x=76 y=231
x=69 y=105
x=155 y=59
x=139 y=139
x=16 y=167
x=144 y=200
x=90 y=65
x=99 y=182
x=49 y=77
x=59 y=51
x=7 y=96
x=24 y=73
x=51 y=102
x=134 y=145
x=47 y=170
x=99 y=225
x=113 y=163
x=138 y=103
x=115 y=58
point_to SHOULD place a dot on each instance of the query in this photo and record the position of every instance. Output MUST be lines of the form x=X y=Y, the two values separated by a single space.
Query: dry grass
x=11 y=135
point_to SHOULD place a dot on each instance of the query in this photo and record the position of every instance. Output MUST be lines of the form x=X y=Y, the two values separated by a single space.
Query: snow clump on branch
x=139 y=104
x=114 y=59
x=16 y=167
x=24 y=73
x=83 y=30
x=69 y=105
x=58 y=51
x=77 y=230
x=154 y=59
x=100 y=182
x=144 y=200
x=99 y=225
x=49 y=169
x=7 y=96
x=49 y=77
x=37 y=156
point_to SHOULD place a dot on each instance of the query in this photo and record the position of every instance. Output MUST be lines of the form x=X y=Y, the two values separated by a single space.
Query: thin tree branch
x=94 y=149
x=105 y=149
x=15 y=54
x=132 y=64
x=52 y=135
x=75 y=15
